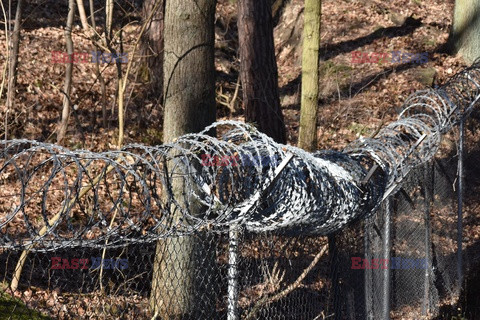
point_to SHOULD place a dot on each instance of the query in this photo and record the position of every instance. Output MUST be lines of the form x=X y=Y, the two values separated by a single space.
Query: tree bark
x=12 y=65
x=465 y=35
x=307 y=137
x=62 y=130
x=152 y=47
x=258 y=68
x=180 y=282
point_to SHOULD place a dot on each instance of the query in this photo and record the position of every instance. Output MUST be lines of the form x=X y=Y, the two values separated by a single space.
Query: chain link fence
x=423 y=226
x=405 y=262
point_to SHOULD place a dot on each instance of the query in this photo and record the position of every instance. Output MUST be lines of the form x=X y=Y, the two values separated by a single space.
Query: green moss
x=329 y=68
x=144 y=73
x=359 y=129
x=14 y=309
x=38 y=83
x=430 y=42
x=153 y=137
x=76 y=146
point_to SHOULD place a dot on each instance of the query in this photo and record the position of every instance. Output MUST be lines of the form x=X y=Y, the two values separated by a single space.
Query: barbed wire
x=415 y=137
x=52 y=197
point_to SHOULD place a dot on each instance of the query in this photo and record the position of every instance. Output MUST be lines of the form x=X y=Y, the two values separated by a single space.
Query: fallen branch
x=227 y=102
x=269 y=299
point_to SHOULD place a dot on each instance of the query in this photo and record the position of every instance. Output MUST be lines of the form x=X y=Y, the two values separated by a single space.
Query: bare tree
x=12 y=64
x=83 y=16
x=62 y=130
x=98 y=74
x=258 y=68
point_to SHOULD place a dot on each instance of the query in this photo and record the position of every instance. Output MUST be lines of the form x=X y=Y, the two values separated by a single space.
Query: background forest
x=354 y=99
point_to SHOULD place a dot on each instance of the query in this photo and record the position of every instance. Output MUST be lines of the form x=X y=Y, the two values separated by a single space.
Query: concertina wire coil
x=52 y=197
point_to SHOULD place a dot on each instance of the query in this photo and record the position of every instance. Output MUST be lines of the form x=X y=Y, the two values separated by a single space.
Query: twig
x=83 y=16
x=229 y=103
x=67 y=87
x=109 y=19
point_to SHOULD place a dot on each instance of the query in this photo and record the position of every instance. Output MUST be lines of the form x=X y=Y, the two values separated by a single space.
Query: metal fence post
x=232 y=308
x=368 y=276
x=387 y=245
x=460 y=203
x=428 y=189
x=333 y=254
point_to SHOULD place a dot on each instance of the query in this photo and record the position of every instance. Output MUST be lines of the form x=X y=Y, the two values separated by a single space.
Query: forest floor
x=355 y=98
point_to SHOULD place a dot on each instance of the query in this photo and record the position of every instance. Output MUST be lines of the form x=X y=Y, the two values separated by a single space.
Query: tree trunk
x=465 y=35
x=151 y=48
x=83 y=17
x=98 y=74
x=12 y=65
x=189 y=70
x=258 y=68
x=307 y=137
x=183 y=267
x=62 y=130
x=108 y=20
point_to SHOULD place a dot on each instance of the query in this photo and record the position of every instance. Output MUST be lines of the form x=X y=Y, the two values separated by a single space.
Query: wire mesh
x=423 y=278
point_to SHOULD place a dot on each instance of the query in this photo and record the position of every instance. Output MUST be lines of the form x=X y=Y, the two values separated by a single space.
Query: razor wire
x=83 y=198
x=52 y=197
